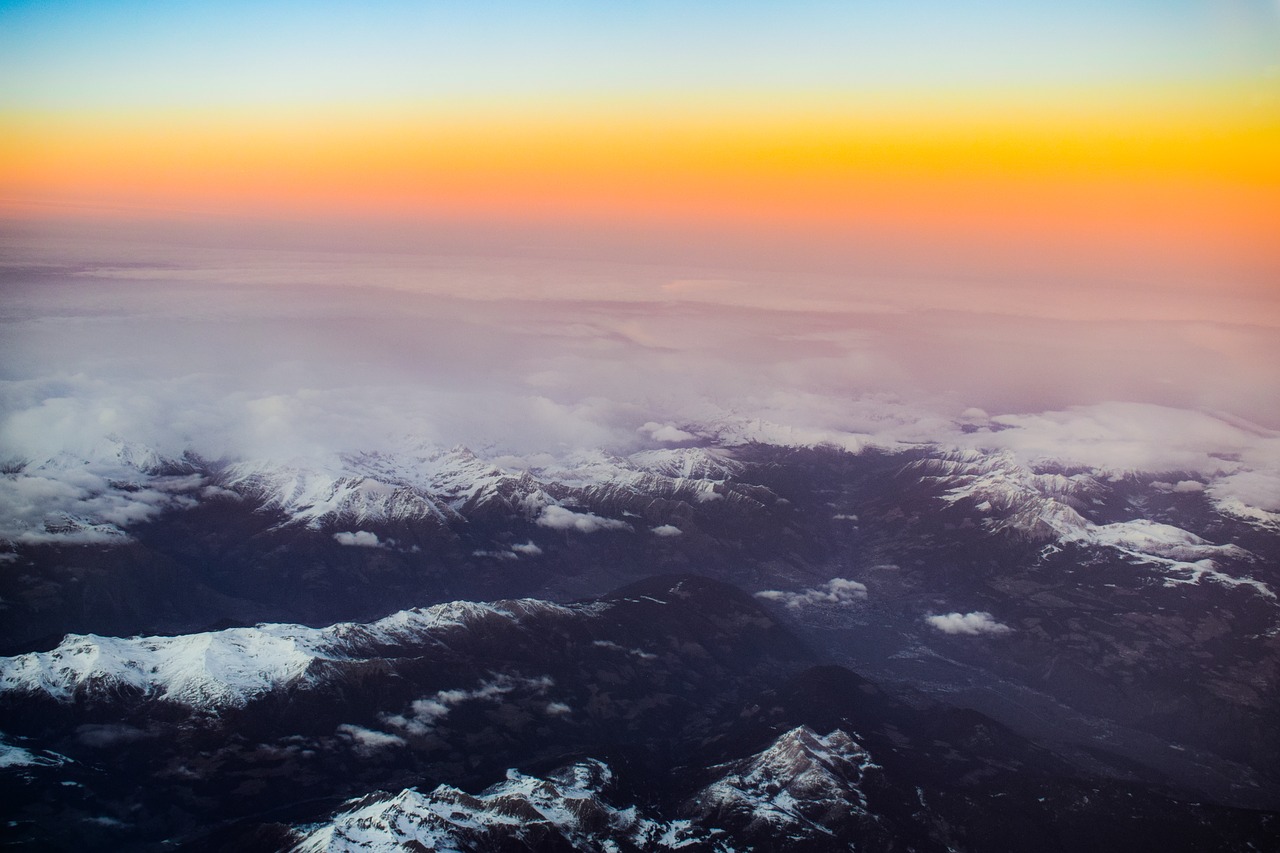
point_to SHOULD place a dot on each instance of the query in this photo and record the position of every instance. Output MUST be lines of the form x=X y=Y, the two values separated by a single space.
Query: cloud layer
x=262 y=356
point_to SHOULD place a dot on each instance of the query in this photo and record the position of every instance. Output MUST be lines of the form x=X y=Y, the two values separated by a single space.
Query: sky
x=287 y=229
x=1119 y=132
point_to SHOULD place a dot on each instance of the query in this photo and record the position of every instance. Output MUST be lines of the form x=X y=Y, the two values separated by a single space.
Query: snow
x=1043 y=506
x=567 y=802
x=800 y=774
x=314 y=495
x=13 y=756
x=445 y=485
x=229 y=668
x=216 y=669
x=690 y=463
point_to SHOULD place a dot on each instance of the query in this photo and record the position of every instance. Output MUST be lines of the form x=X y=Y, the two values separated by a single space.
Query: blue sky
x=84 y=55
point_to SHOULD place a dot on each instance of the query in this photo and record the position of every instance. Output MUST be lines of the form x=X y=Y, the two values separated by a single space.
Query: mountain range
x=649 y=651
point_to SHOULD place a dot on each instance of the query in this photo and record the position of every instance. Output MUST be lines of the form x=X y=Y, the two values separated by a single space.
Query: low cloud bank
x=108 y=369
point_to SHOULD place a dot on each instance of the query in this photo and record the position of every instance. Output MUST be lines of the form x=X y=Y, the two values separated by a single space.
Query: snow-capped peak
x=564 y=811
x=799 y=786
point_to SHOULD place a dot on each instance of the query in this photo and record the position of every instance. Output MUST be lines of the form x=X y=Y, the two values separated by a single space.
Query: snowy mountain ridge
x=1047 y=507
x=565 y=810
x=801 y=787
x=229 y=668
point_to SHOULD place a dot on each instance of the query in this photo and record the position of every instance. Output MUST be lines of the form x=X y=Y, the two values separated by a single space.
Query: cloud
x=559 y=518
x=423 y=715
x=667 y=530
x=967 y=624
x=1240 y=460
x=1122 y=437
x=638 y=653
x=837 y=591
x=369 y=740
x=544 y=367
x=496 y=555
x=526 y=549
x=667 y=433
x=103 y=735
x=358 y=539
x=75 y=501
x=557 y=709
x=1259 y=489
x=1180 y=487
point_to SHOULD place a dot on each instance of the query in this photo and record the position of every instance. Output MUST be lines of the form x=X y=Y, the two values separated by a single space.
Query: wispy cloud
x=837 y=591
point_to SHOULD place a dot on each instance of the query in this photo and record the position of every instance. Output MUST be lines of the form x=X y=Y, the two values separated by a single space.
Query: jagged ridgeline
x=202 y=657
x=673 y=714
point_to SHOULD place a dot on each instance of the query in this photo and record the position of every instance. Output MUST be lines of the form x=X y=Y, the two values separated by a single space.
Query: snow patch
x=13 y=756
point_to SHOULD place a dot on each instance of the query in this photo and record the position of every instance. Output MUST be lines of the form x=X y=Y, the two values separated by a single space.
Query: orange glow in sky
x=1193 y=187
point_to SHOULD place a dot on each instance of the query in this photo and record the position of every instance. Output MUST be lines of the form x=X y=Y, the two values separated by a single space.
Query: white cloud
x=1121 y=437
x=369 y=740
x=667 y=433
x=638 y=653
x=967 y=624
x=77 y=502
x=1259 y=489
x=667 y=530
x=358 y=539
x=496 y=555
x=557 y=709
x=425 y=714
x=622 y=374
x=528 y=549
x=1240 y=461
x=559 y=518
x=838 y=591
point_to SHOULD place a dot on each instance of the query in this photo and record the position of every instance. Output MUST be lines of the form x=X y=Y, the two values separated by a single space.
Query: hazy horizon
x=288 y=232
